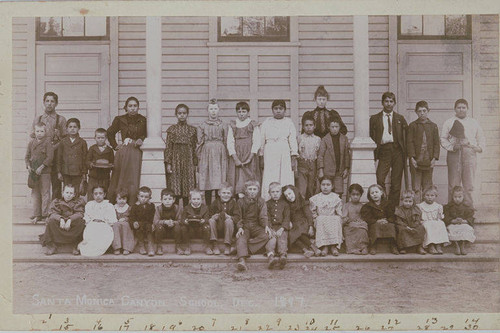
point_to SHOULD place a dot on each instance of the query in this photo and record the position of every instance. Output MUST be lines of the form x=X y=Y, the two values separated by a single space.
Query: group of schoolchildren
x=233 y=161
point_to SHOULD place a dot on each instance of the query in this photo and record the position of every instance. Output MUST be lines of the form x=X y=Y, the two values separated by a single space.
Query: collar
x=320 y=109
x=244 y=122
x=391 y=114
x=419 y=121
x=52 y=114
x=213 y=122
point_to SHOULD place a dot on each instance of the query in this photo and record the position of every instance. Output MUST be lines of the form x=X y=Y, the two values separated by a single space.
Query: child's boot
x=439 y=249
x=242 y=266
x=432 y=249
x=394 y=249
x=159 y=250
x=458 y=250
x=76 y=251
x=307 y=253
x=402 y=251
x=373 y=250
x=282 y=261
x=187 y=252
x=421 y=250
x=125 y=252
x=364 y=251
x=335 y=251
x=462 y=248
x=51 y=249
x=215 y=248
x=142 y=250
x=180 y=251
x=324 y=251
x=117 y=252
x=227 y=249
x=317 y=252
x=208 y=250
x=272 y=261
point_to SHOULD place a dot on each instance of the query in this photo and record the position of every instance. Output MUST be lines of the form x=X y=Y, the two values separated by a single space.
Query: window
x=254 y=29
x=73 y=28
x=434 y=27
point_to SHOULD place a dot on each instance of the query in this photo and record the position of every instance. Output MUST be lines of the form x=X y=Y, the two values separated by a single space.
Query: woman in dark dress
x=128 y=159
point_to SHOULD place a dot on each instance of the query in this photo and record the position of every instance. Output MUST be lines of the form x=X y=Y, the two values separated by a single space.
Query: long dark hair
x=131 y=98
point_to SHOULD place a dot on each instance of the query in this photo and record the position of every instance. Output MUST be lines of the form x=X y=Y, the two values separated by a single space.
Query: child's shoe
x=51 y=249
x=394 y=250
x=151 y=253
x=272 y=261
x=439 y=249
x=364 y=251
x=317 y=252
x=35 y=219
x=159 y=250
x=242 y=266
x=457 y=249
x=308 y=253
x=432 y=249
x=324 y=251
x=335 y=251
x=232 y=251
x=75 y=250
x=117 y=252
x=216 y=250
x=142 y=250
x=462 y=248
x=282 y=261
x=180 y=252
x=187 y=251
x=209 y=251
x=227 y=250
x=125 y=252
x=421 y=250
x=373 y=251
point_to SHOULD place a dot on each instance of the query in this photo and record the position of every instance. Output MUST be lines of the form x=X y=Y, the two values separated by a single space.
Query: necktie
x=389 y=123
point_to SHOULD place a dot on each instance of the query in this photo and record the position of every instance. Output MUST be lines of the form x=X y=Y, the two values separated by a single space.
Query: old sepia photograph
x=255 y=164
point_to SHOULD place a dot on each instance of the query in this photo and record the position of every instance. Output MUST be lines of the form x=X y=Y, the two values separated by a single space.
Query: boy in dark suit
x=72 y=156
x=388 y=130
x=100 y=159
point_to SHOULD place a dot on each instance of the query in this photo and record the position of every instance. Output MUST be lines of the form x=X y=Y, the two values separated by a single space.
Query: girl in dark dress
x=302 y=222
x=128 y=159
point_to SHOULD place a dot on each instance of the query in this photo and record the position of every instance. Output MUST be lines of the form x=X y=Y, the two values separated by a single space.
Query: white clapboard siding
x=132 y=61
x=378 y=27
x=489 y=113
x=184 y=67
x=326 y=58
x=21 y=118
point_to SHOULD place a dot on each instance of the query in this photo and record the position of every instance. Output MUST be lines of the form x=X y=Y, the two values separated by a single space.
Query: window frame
x=467 y=36
x=243 y=39
x=73 y=38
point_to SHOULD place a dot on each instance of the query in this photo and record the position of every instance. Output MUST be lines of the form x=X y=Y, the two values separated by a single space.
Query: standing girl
x=435 y=230
x=302 y=221
x=459 y=217
x=279 y=148
x=128 y=159
x=99 y=217
x=355 y=229
x=243 y=144
x=379 y=214
x=180 y=155
x=326 y=208
x=212 y=153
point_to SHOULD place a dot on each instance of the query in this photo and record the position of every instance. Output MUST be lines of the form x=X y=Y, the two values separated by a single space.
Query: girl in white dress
x=326 y=208
x=99 y=216
x=279 y=148
x=436 y=234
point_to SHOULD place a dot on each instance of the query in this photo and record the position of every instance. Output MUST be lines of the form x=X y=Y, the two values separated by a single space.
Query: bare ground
x=219 y=288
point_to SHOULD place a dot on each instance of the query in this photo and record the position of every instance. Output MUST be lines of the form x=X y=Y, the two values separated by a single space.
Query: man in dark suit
x=388 y=130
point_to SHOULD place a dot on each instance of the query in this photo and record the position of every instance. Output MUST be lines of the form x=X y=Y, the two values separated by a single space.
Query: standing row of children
x=204 y=148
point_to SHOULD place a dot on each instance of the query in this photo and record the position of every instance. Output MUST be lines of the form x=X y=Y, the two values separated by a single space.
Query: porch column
x=363 y=167
x=153 y=170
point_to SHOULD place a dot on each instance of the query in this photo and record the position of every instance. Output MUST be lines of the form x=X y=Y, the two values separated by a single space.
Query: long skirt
x=328 y=230
x=381 y=230
x=55 y=235
x=356 y=237
x=97 y=238
x=409 y=238
x=126 y=173
x=435 y=233
x=461 y=232
x=237 y=176
x=212 y=165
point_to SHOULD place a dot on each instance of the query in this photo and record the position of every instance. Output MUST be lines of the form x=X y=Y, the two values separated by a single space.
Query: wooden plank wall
x=378 y=27
x=21 y=116
x=489 y=113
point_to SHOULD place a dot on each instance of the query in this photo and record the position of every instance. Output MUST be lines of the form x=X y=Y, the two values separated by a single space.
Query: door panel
x=439 y=74
x=79 y=75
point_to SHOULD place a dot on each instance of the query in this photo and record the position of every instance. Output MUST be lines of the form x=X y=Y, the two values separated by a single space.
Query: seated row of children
x=286 y=219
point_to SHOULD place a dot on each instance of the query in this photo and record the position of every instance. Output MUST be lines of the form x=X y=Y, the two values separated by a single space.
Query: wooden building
x=164 y=61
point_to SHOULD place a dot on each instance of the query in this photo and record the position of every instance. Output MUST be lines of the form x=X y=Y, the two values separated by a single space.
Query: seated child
x=65 y=224
x=278 y=213
x=100 y=159
x=123 y=234
x=251 y=235
x=436 y=234
x=326 y=208
x=302 y=221
x=141 y=220
x=411 y=233
x=224 y=214
x=459 y=218
x=355 y=229
x=167 y=217
x=99 y=217
x=194 y=222
x=39 y=156
x=379 y=214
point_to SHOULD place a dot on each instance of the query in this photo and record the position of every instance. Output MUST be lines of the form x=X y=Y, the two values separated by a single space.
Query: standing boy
x=334 y=156
x=39 y=156
x=423 y=149
x=278 y=213
x=100 y=159
x=141 y=220
x=308 y=144
x=461 y=157
x=388 y=130
x=72 y=156
x=55 y=130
